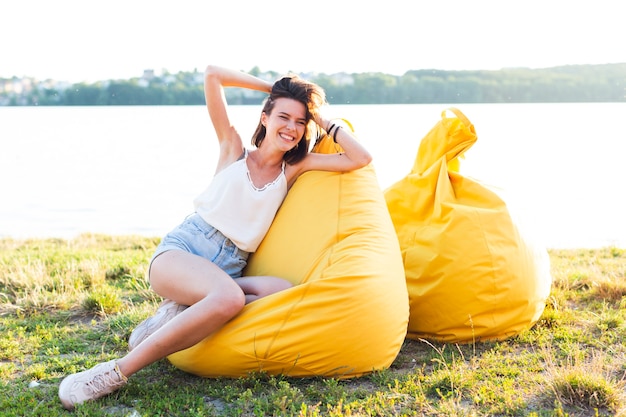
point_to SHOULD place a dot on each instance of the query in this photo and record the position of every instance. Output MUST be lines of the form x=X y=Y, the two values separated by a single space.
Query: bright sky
x=78 y=40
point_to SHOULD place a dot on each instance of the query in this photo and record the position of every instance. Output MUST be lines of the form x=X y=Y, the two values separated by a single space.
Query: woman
x=199 y=264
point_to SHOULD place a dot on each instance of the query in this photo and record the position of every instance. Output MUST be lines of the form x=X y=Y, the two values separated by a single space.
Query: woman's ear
x=264 y=119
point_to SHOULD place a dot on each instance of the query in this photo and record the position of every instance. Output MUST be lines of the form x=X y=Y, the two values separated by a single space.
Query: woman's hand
x=321 y=121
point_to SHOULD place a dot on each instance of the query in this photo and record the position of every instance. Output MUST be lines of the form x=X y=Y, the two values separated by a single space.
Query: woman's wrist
x=324 y=124
x=329 y=124
x=337 y=129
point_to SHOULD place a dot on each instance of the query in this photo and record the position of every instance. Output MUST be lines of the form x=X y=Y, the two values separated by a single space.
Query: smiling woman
x=346 y=314
x=198 y=266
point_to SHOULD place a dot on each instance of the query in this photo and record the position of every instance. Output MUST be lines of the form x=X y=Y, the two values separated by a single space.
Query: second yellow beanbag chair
x=472 y=270
x=347 y=313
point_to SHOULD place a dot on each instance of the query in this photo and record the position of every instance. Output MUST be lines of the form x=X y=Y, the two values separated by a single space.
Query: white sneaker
x=94 y=383
x=167 y=311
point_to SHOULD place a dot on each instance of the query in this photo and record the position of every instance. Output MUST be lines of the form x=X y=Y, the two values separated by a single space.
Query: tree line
x=574 y=83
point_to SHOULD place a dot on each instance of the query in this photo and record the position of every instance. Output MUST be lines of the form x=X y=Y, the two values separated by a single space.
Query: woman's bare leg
x=261 y=286
x=213 y=296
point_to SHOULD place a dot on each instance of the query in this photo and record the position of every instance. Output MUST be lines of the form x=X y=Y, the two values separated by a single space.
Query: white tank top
x=238 y=209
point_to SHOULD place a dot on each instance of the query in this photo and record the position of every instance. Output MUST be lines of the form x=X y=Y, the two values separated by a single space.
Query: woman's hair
x=307 y=93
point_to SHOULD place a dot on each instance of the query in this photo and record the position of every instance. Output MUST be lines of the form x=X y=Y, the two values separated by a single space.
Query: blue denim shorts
x=196 y=236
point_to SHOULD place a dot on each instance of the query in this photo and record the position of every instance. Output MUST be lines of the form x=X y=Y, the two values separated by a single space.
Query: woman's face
x=286 y=123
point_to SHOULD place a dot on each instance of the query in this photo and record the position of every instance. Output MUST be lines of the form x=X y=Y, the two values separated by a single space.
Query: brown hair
x=307 y=93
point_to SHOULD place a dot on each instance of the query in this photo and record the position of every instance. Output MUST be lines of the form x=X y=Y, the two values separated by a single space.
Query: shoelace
x=104 y=382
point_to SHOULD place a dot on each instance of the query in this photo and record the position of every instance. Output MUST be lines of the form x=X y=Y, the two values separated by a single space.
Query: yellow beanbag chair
x=347 y=314
x=472 y=270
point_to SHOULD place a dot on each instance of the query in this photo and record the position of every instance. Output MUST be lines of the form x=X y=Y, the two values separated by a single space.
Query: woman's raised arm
x=354 y=155
x=215 y=79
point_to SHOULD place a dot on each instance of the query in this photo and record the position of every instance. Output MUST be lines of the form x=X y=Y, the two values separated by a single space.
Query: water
x=135 y=170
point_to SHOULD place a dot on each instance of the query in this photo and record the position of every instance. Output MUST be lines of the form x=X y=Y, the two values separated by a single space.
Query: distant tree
x=573 y=83
x=83 y=95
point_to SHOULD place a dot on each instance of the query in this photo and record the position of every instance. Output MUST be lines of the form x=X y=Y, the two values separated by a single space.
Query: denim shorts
x=196 y=236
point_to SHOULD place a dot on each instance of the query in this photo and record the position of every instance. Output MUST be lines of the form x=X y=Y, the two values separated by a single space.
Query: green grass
x=66 y=305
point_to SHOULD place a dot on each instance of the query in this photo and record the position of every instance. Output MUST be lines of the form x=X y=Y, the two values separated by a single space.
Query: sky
x=87 y=41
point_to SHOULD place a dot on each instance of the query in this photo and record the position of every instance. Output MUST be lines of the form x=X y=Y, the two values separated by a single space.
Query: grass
x=68 y=304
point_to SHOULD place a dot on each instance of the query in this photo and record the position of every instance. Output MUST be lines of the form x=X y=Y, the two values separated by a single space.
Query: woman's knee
x=235 y=302
x=226 y=302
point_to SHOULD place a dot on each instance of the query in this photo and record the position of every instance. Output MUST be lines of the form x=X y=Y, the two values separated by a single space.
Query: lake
x=135 y=170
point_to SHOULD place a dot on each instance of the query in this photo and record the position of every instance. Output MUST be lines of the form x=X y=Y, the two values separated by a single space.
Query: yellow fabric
x=347 y=314
x=472 y=270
